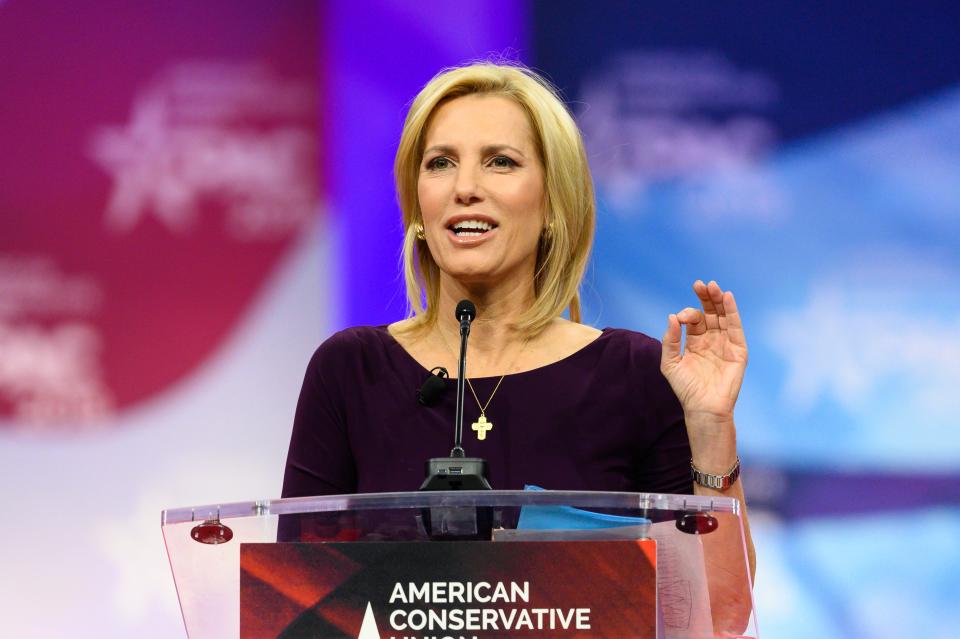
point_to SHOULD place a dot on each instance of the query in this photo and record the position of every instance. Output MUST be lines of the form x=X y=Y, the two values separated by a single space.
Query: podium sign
x=469 y=590
x=329 y=566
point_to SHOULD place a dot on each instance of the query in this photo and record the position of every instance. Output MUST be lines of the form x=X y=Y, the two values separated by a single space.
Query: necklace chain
x=481 y=406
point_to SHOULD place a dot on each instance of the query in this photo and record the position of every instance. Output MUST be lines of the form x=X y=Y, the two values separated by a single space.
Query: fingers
x=694 y=319
x=720 y=310
x=706 y=301
x=670 y=353
x=719 y=313
x=734 y=325
x=716 y=296
x=711 y=298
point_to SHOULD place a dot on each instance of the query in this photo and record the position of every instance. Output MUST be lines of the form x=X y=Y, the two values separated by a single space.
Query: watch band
x=717 y=482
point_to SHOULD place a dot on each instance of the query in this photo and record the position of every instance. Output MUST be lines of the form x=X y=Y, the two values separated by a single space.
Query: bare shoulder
x=573 y=333
x=402 y=330
x=409 y=334
x=562 y=338
x=413 y=339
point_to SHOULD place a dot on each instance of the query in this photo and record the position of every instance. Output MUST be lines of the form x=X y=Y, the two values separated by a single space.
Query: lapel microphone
x=433 y=389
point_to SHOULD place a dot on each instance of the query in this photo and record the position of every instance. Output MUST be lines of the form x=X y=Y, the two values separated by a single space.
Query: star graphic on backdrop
x=842 y=348
x=142 y=158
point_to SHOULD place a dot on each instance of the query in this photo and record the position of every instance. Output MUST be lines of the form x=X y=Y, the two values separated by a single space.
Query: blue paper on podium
x=557 y=522
x=567 y=518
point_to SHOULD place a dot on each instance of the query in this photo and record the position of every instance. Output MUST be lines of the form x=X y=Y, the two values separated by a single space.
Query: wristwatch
x=717 y=482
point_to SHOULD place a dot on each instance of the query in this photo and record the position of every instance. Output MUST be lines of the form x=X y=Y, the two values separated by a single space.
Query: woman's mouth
x=471 y=228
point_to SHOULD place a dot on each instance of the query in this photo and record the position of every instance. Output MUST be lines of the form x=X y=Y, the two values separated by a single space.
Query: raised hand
x=706 y=373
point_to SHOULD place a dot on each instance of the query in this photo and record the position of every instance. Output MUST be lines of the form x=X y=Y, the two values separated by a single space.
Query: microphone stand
x=458 y=472
x=465 y=320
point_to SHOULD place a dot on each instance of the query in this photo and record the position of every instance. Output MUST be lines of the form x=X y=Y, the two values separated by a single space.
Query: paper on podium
x=620 y=533
x=681 y=579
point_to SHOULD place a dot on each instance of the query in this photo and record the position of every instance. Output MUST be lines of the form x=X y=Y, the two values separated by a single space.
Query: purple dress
x=603 y=418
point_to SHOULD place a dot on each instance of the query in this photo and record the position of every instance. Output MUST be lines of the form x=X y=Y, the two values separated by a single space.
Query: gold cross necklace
x=482 y=426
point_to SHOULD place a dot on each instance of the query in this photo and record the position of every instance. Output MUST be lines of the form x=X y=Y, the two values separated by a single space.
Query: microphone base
x=456 y=473
x=457 y=523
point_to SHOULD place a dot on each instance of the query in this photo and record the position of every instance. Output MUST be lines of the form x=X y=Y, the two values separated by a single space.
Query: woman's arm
x=706 y=373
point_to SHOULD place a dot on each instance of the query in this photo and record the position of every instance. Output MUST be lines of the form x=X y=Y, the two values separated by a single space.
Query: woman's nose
x=467 y=188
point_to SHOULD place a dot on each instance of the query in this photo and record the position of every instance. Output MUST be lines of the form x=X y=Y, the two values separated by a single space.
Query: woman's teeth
x=471 y=228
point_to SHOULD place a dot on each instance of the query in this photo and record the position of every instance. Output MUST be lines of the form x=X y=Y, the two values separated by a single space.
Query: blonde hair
x=569 y=205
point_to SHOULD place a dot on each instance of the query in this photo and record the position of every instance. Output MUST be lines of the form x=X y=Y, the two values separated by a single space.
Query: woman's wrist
x=713 y=444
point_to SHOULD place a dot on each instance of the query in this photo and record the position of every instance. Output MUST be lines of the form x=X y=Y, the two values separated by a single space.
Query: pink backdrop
x=159 y=160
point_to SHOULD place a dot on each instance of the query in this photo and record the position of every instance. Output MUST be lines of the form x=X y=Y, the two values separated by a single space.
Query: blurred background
x=194 y=195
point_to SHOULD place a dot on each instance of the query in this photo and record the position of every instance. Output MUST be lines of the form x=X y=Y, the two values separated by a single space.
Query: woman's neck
x=494 y=340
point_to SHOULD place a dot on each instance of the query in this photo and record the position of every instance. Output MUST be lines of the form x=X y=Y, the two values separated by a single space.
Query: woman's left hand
x=706 y=373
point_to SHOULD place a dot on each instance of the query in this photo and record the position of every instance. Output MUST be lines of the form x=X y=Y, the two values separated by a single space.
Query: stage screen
x=194 y=195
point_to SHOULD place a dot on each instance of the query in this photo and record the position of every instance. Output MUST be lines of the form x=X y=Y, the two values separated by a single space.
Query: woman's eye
x=438 y=164
x=502 y=162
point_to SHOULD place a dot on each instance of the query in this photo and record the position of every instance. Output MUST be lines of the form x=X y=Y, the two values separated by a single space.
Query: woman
x=498 y=208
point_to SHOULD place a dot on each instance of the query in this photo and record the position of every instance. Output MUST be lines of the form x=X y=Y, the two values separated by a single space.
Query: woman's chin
x=473 y=276
x=484 y=275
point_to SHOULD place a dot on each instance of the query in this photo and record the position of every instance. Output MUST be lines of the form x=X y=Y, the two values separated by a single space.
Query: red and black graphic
x=476 y=590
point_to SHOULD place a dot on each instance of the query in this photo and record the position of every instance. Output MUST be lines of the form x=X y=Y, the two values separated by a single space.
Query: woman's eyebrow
x=496 y=148
x=440 y=148
x=446 y=149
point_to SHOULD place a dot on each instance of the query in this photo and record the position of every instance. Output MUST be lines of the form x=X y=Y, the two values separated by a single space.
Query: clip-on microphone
x=433 y=388
x=458 y=472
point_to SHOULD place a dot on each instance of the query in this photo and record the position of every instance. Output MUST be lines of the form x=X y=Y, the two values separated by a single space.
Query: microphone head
x=433 y=388
x=466 y=310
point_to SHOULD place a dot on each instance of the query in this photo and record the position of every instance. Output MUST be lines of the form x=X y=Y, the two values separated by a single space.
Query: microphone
x=458 y=472
x=433 y=388
x=465 y=313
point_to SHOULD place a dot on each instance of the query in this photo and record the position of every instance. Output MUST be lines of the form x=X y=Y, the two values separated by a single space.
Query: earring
x=418 y=229
x=548 y=231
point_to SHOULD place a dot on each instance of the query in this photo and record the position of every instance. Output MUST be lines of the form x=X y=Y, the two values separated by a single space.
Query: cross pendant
x=482 y=426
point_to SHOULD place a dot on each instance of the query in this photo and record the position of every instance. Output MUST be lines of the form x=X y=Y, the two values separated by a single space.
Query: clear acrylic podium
x=703 y=580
